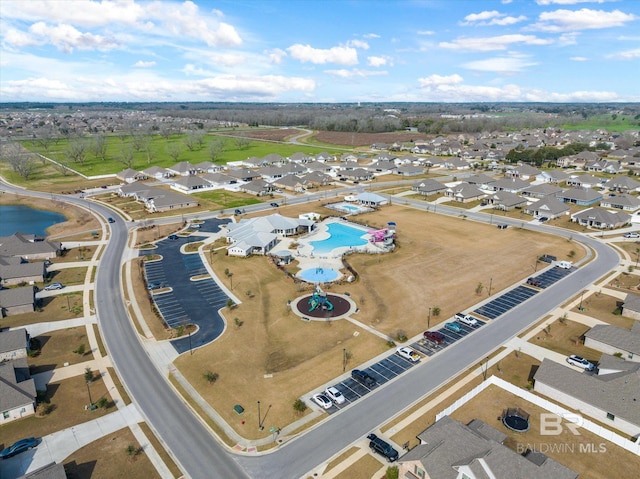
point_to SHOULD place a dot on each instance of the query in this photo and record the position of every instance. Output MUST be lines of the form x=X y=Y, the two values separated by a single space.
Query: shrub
x=392 y=472
x=80 y=350
x=211 y=377
x=299 y=406
x=103 y=403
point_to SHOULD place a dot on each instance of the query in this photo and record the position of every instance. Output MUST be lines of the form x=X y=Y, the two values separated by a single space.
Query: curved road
x=190 y=441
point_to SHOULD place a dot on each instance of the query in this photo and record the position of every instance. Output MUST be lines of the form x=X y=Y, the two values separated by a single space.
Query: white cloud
x=485 y=44
x=358 y=44
x=276 y=55
x=41 y=87
x=579 y=59
x=500 y=65
x=583 y=19
x=344 y=73
x=426 y=32
x=226 y=59
x=569 y=2
x=374 y=61
x=19 y=39
x=143 y=64
x=626 y=55
x=492 y=17
x=438 y=80
x=318 y=56
x=67 y=38
x=570 y=38
x=371 y=35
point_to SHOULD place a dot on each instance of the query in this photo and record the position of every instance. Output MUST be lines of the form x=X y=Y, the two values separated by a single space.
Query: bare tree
x=21 y=160
x=194 y=139
x=99 y=147
x=126 y=155
x=77 y=150
x=145 y=143
x=216 y=146
x=174 y=150
x=242 y=143
x=45 y=138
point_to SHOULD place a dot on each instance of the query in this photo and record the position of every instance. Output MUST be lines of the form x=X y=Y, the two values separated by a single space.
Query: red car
x=435 y=337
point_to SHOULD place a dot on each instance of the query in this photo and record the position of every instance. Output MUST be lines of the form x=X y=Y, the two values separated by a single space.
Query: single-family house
x=371 y=199
x=256 y=187
x=219 y=179
x=132 y=189
x=130 y=175
x=208 y=167
x=243 y=174
x=450 y=449
x=480 y=180
x=541 y=190
x=14 y=270
x=580 y=196
x=316 y=178
x=623 y=184
x=514 y=185
x=184 y=168
x=17 y=301
x=14 y=344
x=291 y=183
x=631 y=306
x=505 y=200
x=50 y=471
x=455 y=164
x=524 y=172
x=189 y=184
x=548 y=207
x=611 y=399
x=18 y=392
x=428 y=187
x=552 y=176
x=357 y=174
x=409 y=170
x=300 y=157
x=28 y=247
x=615 y=340
x=464 y=193
x=158 y=200
x=157 y=173
x=601 y=218
x=584 y=181
x=624 y=201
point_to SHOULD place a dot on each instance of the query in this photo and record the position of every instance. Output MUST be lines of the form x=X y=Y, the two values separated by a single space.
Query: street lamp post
x=259 y=421
x=429 y=318
x=484 y=371
x=580 y=308
x=344 y=360
x=490 y=284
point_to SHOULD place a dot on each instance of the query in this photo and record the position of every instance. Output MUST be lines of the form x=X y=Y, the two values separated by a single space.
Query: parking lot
x=393 y=365
x=509 y=300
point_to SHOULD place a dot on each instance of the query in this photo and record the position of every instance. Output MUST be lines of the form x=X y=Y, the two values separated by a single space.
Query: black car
x=237 y=212
x=363 y=378
x=173 y=237
x=111 y=220
x=382 y=447
x=155 y=285
x=18 y=447
x=275 y=205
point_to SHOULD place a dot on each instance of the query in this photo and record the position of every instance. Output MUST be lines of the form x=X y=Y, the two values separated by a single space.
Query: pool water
x=340 y=235
x=319 y=275
x=349 y=208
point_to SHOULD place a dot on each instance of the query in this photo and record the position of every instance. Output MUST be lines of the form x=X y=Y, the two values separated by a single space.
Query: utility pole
x=490 y=284
x=429 y=318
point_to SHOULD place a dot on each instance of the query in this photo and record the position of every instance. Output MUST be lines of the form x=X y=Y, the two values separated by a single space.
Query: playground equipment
x=384 y=235
x=319 y=300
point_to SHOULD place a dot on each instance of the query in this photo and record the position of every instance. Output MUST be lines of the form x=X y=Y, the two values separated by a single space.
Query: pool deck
x=333 y=260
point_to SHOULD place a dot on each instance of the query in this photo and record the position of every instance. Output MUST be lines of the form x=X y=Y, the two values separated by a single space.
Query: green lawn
x=158 y=153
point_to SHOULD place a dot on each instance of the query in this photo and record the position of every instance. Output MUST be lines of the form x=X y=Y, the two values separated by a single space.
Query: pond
x=24 y=219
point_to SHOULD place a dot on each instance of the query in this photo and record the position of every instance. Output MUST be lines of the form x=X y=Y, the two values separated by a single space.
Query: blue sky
x=320 y=51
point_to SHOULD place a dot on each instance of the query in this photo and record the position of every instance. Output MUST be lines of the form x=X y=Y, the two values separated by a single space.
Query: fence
x=604 y=433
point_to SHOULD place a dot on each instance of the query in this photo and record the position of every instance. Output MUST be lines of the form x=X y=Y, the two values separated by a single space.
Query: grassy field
x=57 y=348
x=566 y=339
x=393 y=293
x=158 y=152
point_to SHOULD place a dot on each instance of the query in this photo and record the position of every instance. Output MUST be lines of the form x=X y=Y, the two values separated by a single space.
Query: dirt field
x=393 y=293
x=276 y=134
x=343 y=138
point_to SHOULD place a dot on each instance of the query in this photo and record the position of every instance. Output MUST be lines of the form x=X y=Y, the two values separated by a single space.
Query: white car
x=322 y=401
x=466 y=319
x=335 y=395
x=632 y=234
x=408 y=354
x=580 y=362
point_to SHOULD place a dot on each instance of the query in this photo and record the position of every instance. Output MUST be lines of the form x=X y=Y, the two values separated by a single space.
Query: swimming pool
x=340 y=235
x=319 y=275
x=350 y=208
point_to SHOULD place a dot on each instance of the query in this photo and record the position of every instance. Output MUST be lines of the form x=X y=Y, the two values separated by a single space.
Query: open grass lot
x=157 y=154
x=626 y=282
x=57 y=348
x=419 y=275
x=82 y=253
x=68 y=276
x=602 y=306
x=518 y=369
x=67 y=400
x=53 y=308
x=489 y=404
x=107 y=458
x=78 y=220
x=567 y=339
x=363 y=468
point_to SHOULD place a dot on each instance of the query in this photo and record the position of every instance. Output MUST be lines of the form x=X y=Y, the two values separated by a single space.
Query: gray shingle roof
x=617 y=393
x=632 y=302
x=21 y=270
x=13 y=340
x=18 y=389
x=21 y=244
x=616 y=337
x=10 y=298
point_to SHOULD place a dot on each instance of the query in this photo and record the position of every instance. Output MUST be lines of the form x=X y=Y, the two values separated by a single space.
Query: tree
x=80 y=350
x=242 y=143
x=21 y=161
x=299 y=406
x=211 y=377
x=126 y=155
x=174 y=150
x=99 y=147
x=216 y=146
x=479 y=288
x=436 y=311
x=77 y=150
x=88 y=375
x=194 y=139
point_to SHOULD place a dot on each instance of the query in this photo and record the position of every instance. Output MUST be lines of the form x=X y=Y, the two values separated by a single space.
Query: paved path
x=37 y=329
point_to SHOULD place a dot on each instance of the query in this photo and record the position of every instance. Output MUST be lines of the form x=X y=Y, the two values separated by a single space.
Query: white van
x=564 y=264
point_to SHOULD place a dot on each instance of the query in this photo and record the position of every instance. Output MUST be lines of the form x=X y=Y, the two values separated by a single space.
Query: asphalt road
x=200 y=456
